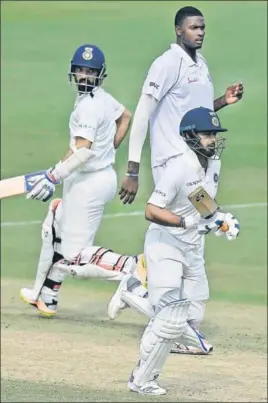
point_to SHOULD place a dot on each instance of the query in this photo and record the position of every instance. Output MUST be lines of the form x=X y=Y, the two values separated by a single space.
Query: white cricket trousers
x=84 y=196
x=174 y=264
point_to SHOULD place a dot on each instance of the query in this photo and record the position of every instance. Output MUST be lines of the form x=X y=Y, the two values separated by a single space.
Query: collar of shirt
x=178 y=49
x=79 y=97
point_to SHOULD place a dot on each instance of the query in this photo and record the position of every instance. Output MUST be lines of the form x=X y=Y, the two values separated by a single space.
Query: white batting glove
x=205 y=225
x=233 y=227
x=201 y=224
x=43 y=189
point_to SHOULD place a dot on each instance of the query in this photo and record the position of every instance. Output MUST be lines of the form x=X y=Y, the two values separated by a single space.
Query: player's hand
x=43 y=189
x=233 y=227
x=234 y=93
x=212 y=224
x=129 y=189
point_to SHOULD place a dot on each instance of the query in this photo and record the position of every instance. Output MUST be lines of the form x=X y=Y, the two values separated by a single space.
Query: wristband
x=132 y=175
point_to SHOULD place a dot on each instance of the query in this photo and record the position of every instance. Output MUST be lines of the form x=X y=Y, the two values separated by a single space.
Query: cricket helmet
x=202 y=120
x=92 y=57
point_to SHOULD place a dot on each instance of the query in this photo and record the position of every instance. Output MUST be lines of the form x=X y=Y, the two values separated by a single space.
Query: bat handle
x=224 y=227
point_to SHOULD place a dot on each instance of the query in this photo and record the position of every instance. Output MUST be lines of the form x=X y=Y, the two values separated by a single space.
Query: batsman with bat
x=98 y=124
x=175 y=266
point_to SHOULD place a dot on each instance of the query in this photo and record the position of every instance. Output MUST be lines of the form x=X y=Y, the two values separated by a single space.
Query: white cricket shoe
x=149 y=388
x=179 y=348
x=116 y=304
x=27 y=295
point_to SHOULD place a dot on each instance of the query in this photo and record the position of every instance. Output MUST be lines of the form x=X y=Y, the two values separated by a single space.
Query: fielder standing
x=177 y=81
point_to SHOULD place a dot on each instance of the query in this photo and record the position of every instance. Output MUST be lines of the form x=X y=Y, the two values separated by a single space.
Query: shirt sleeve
x=166 y=188
x=212 y=177
x=146 y=106
x=88 y=121
x=160 y=78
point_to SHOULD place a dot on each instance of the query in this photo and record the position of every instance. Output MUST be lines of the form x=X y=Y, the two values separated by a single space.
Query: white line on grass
x=130 y=214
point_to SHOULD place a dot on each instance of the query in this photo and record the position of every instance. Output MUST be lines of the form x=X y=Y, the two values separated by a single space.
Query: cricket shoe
x=47 y=309
x=179 y=348
x=149 y=388
x=116 y=304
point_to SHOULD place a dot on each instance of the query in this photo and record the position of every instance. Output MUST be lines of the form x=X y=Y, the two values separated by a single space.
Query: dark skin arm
x=130 y=184
x=232 y=95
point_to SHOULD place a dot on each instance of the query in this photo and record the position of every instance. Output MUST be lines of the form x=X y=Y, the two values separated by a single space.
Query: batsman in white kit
x=98 y=124
x=176 y=272
x=177 y=81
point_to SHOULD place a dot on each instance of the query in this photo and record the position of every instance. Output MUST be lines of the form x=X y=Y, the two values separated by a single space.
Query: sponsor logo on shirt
x=158 y=191
x=194 y=182
x=192 y=80
x=152 y=84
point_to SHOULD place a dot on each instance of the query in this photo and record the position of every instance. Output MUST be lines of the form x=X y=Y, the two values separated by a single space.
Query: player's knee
x=170 y=315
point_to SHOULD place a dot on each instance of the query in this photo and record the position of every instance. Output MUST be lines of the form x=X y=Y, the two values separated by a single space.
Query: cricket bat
x=19 y=184
x=205 y=205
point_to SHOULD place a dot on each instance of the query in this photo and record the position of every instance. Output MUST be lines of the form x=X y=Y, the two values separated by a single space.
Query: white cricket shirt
x=179 y=84
x=182 y=175
x=93 y=118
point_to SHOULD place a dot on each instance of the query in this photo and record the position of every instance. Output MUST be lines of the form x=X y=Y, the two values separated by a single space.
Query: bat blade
x=203 y=203
x=19 y=184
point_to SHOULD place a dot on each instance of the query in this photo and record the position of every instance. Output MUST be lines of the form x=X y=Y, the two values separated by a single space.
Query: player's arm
x=122 y=124
x=159 y=80
x=232 y=95
x=166 y=189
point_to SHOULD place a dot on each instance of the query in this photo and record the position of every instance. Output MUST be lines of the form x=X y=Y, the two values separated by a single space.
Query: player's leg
x=84 y=198
x=135 y=285
x=50 y=252
x=169 y=312
x=195 y=284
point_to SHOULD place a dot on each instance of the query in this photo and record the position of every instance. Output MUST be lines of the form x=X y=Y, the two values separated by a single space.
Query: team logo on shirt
x=192 y=80
x=158 y=191
x=216 y=177
x=87 y=54
x=194 y=182
x=152 y=84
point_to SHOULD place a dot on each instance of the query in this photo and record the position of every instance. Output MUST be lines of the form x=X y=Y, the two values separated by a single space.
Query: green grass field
x=80 y=355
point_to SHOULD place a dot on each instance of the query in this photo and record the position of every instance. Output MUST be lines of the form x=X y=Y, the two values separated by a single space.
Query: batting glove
x=43 y=189
x=233 y=227
x=201 y=224
x=205 y=225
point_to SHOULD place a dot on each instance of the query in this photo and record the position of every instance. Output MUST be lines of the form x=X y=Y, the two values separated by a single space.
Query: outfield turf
x=38 y=39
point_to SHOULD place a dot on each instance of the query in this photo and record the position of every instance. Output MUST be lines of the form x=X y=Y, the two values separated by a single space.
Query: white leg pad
x=193 y=338
x=89 y=271
x=167 y=325
x=142 y=305
x=47 y=252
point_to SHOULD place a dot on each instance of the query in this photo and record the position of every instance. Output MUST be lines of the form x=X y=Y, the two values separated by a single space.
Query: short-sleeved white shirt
x=179 y=84
x=93 y=118
x=183 y=175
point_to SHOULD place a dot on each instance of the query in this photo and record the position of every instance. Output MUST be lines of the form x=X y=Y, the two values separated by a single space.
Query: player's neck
x=203 y=161
x=189 y=51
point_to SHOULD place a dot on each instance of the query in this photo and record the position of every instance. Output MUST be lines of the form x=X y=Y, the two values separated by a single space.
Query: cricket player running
x=177 y=81
x=176 y=272
x=98 y=124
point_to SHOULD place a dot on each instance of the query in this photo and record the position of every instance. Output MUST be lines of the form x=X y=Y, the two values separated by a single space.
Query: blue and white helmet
x=91 y=57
